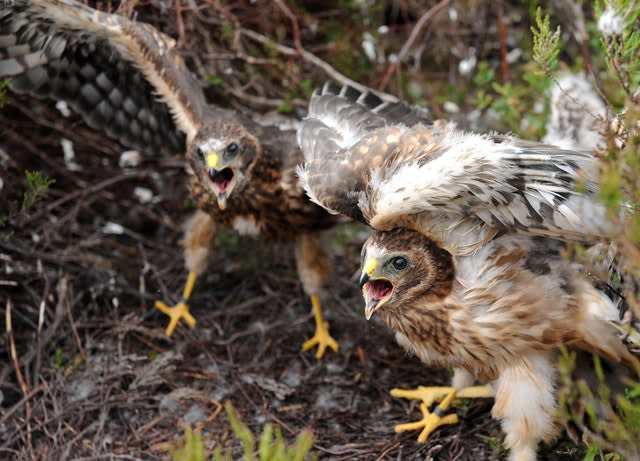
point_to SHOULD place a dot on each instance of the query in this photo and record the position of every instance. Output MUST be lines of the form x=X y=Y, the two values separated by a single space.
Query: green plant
x=271 y=446
x=618 y=23
x=546 y=44
x=192 y=449
x=37 y=188
x=4 y=83
x=610 y=423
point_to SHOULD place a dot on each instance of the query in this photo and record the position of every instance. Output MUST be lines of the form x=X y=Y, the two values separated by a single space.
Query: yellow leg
x=432 y=420
x=321 y=338
x=181 y=309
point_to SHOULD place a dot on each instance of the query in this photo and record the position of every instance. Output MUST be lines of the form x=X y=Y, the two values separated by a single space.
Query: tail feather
x=618 y=337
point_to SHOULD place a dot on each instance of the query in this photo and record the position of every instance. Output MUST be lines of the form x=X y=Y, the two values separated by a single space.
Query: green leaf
x=214 y=80
x=286 y=107
x=265 y=448
x=303 y=444
x=241 y=431
x=37 y=187
x=546 y=44
x=4 y=84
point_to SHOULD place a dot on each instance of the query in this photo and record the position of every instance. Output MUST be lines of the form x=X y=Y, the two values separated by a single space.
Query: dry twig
x=415 y=32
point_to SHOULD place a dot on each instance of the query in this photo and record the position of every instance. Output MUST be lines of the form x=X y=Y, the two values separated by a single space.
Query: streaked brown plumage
x=268 y=191
x=465 y=262
x=127 y=79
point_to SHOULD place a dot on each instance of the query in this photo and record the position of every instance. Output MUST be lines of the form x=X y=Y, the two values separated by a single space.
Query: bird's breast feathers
x=246 y=225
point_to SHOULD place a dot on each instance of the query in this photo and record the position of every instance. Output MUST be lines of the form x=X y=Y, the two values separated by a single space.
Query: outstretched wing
x=123 y=77
x=342 y=132
x=390 y=174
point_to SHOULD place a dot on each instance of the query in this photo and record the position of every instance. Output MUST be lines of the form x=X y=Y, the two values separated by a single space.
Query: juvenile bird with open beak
x=244 y=178
x=465 y=260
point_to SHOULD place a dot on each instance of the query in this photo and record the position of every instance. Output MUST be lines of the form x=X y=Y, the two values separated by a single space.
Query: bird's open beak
x=375 y=290
x=222 y=179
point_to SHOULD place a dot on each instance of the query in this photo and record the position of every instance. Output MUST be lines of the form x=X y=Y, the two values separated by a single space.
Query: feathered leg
x=313 y=267
x=197 y=247
x=431 y=420
x=525 y=404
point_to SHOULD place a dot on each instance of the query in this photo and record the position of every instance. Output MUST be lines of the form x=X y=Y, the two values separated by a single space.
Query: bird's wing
x=123 y=77
x=394 y=174
x=340 y=142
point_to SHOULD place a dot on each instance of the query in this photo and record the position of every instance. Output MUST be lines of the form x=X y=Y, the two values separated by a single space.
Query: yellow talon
x=181 y=309
x=428 y=423
x=321 y=338
x=177 y=312
x=432 y=420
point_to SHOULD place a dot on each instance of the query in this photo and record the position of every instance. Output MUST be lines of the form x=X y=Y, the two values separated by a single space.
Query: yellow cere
x=370 y=266
x=212 y=160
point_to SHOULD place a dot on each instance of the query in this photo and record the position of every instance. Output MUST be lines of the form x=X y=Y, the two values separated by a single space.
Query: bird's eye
x=400 y=263
x=200 y=153
x=232 y=148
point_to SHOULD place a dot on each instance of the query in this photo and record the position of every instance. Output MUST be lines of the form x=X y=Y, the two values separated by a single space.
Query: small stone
x=196 y=414
x=63 y=107
x=143 y=194
x=69 y=155
x=130 y=159
x=451 y=107
x=113 y=228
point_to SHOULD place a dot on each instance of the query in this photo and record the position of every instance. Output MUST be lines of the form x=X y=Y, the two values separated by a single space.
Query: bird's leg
x=197 y=243
x=432 y=420
x=181 y=309
x=525 y=404
x=321 y=338
x=313 y=266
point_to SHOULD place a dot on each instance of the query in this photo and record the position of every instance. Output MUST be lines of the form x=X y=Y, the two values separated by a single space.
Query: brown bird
x=127 y=79
x=465 y=262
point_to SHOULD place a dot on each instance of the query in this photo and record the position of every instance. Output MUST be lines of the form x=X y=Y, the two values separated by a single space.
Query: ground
x=89 y=372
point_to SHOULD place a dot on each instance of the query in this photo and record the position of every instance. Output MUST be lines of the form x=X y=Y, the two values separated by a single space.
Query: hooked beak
x=376 y=291
x=222 y=179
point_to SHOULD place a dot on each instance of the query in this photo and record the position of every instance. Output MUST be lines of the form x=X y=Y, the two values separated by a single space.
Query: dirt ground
x=88 y=372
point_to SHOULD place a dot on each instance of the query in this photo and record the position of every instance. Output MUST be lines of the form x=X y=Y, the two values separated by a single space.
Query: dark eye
x=200 y=153
x=400 y=263
x=232 y=148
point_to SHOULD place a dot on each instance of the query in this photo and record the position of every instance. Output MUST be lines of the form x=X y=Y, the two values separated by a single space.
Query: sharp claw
x=429 y=395
x=322 y=339
x=428 y=423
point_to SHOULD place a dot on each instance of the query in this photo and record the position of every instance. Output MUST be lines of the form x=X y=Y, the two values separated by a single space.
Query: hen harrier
x=127 y=79
x=464 y=263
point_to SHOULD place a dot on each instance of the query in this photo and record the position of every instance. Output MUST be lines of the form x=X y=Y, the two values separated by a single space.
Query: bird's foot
x=322 y=339
x=175 y=313
x=181 y=309
x=429 y=422
x=429 y=395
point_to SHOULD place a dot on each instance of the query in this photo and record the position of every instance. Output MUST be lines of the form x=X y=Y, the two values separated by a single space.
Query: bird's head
x=221 y=155
x=401 y=265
